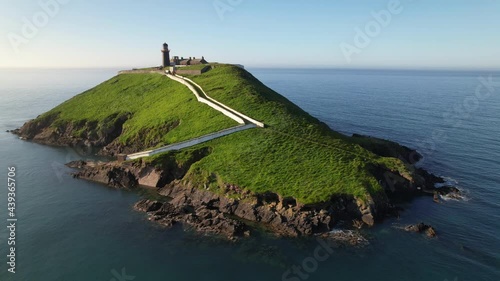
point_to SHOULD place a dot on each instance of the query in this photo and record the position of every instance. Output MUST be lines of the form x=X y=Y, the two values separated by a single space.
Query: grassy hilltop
x=296 y=155
x=156 y=104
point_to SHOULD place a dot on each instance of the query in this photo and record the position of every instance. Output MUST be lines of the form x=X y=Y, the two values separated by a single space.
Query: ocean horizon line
x=423 y=69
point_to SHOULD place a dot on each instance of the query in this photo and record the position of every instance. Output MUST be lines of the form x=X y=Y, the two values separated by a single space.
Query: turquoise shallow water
x=76 y=230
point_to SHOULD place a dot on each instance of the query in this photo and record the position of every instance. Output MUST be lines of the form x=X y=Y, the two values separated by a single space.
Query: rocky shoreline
x=232 y=211
x=235 y=212
x=209 y=212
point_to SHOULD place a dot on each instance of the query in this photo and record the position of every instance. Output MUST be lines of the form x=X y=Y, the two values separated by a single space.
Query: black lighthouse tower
x=166 y=55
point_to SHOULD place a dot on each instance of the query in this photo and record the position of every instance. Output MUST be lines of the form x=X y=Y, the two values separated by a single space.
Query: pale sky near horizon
x=455 y=34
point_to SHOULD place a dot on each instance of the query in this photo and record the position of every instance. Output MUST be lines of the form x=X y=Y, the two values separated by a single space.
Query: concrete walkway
x=216 y=103
x=244 y=121
x=201 y=98
x=191 y=142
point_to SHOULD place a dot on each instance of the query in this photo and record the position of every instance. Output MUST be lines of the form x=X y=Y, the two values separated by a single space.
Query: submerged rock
x=339 y=237
x=79 y=164
x=428 y=230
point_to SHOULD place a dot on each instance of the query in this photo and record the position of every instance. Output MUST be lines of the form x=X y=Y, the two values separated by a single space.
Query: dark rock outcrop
x=404 y=187
x=277 y=214
x=201 y=219
x=339 y=238
x=428 y=230
x=387 y=148
x=107 y=173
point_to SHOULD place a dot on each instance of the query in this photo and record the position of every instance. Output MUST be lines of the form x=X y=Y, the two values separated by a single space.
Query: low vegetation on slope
x=158 y=111
x=295 y=155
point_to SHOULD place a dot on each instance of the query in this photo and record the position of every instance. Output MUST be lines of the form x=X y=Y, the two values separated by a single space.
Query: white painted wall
x=205 y=101
x=257 y=123
x=191 y=142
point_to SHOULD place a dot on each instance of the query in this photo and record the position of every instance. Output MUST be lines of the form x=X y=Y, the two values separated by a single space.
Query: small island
x=225 y=153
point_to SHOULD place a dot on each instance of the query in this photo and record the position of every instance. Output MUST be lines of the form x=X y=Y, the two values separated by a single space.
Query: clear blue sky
x=268 y=33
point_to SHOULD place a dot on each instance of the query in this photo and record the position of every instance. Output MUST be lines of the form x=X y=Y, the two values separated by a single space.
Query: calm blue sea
x=76 y=230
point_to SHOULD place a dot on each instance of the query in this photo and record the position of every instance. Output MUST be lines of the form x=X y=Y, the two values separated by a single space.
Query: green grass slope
x=160 y=109
x=295 y=155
